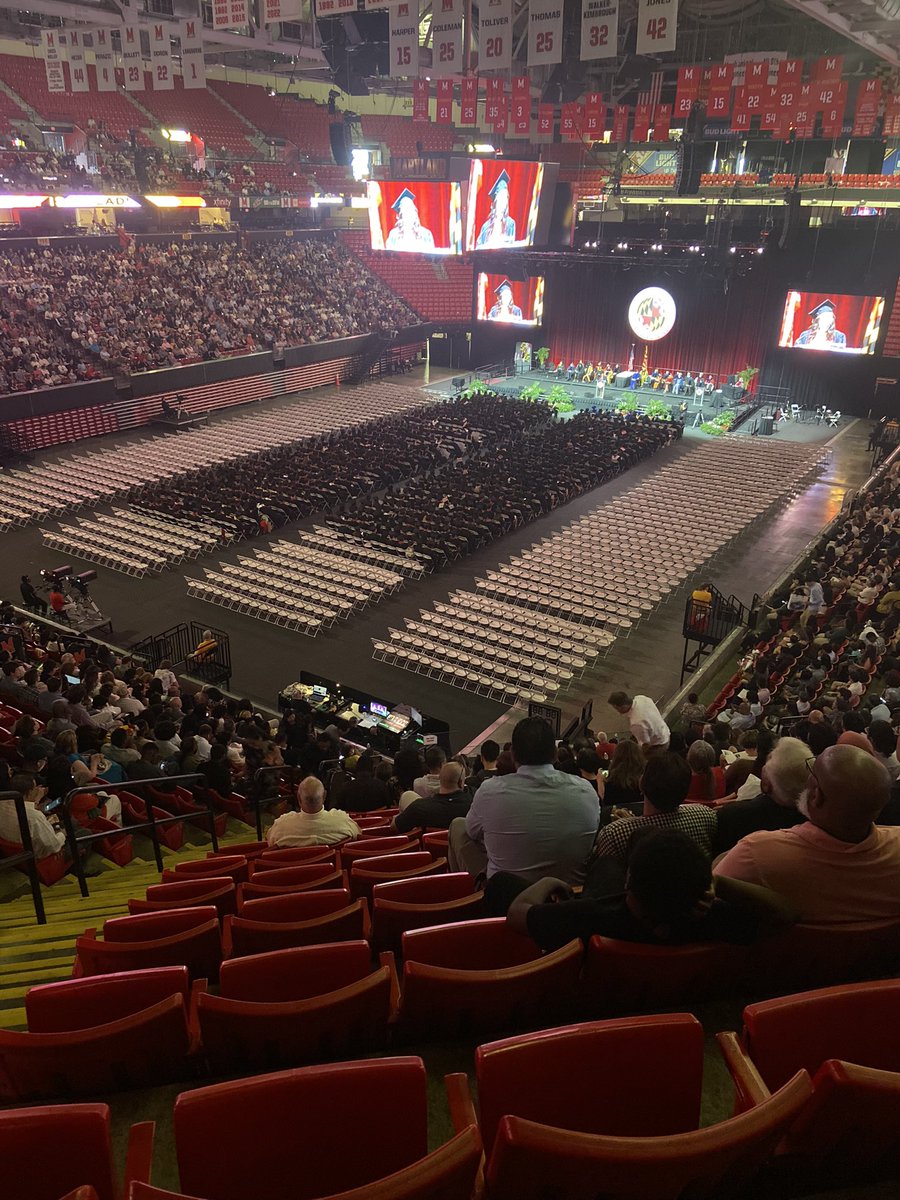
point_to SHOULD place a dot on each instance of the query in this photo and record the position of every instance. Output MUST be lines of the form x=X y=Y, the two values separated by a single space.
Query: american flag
x=653 y=94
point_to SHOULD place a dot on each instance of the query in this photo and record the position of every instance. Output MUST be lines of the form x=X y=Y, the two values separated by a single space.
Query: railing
x=255 y=799
x=151 y=825
x=26 y=857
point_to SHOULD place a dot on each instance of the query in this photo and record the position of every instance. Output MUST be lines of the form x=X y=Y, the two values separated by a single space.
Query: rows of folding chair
x=268 y=604
x=130 y=542
x=348 y=546
x=90 y=542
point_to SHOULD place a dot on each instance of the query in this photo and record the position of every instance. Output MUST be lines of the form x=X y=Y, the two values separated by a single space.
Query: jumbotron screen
x=416 y=217
x=503 y=203
x=510 y=301
x=841 y=324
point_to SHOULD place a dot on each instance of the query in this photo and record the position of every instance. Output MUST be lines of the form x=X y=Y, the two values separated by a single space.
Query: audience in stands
x=436 y=811
x=313 y=825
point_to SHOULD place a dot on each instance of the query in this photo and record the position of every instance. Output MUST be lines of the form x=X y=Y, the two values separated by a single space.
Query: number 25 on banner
x=657 y=20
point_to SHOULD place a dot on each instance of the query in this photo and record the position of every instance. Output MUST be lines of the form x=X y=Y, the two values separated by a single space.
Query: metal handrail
x=27 y=855
x=152 y=823
x=255 y=799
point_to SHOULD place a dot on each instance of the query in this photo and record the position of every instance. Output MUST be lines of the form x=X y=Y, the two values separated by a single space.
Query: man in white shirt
x=427 y=785
x=645 y=720
x=312 y=825
x=46 y=838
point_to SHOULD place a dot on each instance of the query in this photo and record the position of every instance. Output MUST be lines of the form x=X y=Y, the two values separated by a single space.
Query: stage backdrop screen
x=418 y=217
x=841 y=324
x=503 y=204
x=510 y=301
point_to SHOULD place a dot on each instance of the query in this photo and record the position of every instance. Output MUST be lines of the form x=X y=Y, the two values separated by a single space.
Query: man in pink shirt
x=838 y=868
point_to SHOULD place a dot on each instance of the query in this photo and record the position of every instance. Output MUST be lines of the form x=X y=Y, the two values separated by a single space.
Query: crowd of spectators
x=141 y=307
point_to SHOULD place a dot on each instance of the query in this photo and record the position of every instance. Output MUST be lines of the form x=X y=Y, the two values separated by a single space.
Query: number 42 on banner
x=657 y=23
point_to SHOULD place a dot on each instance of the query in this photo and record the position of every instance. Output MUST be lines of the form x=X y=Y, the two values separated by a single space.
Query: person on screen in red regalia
x=822 y=333
x=504 y=309
x=408 y=233
x=499 y=229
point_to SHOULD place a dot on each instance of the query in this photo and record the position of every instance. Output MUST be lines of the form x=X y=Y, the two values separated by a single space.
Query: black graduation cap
x=814 y=312
x=499 y=288
x=501 y=181
x=406 y=194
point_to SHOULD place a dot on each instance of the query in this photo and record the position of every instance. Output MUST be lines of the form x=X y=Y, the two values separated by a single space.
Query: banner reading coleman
x=193 y=64
x=656 y=25
x=447 y=38
x=404 y=39
x=599 y=29
x=545 y=25
x=495 y=35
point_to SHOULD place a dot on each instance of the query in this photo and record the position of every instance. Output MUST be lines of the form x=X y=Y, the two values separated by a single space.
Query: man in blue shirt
x=534 y=823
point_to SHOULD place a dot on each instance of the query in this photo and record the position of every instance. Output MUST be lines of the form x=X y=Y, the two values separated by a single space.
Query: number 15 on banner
x=657 y=22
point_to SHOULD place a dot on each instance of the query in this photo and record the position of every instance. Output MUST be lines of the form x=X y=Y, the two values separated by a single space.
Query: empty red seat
x=367 y=873
x=248 y=849
x=180 y=936
x=220 y=893
x=232 y=865
x=274 y=860
x=375 y=848
x=134 y=812
x=77 y=1003
x=244 y=936
x=296 y=906
x=625 y=977
x=421 y=901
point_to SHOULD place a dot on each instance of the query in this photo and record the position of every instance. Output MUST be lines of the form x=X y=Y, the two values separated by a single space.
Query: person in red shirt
x=57 y=602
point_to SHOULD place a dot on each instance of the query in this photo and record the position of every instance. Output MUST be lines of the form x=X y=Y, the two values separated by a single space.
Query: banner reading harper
x=657 y=21
x=599 y=29
x=403 y=21
x=495 y=35
x=545 y=27
x=447 y=38
x=104 y=61
x=54 y=57
x=193 y=64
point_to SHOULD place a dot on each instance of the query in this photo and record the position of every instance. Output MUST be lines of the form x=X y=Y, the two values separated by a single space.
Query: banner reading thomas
x=504 y=198
x=416 y=217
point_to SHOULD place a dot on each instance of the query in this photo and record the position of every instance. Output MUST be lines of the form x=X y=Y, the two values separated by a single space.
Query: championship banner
x=334 y=8
x=544 y=129
x=545 y=28
x=444 y=107
x=599 y=29
x=193 y=64
x=403 y=21
x=420 y=100
x=54 y=57
x=657 y=20
x=495 y=35
x=132 y=58
x=520 y=116
x=161 y=58
x=275 y=11
x=892 y=117
x=446 y=38
x=828 y=69
x=640 y=131
x=687 y=90
x=468 y=103
x=104 y=62
x=790 y=71
x=230 y=14
x=620 y=124
x=868 y=98
x=662 y=120
x=78 y=75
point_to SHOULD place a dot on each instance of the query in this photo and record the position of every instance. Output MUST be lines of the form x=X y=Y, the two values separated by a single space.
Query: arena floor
x=265 y=658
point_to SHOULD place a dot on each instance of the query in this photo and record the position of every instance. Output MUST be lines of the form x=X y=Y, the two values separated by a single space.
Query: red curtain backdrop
x=524 y=294
x=433 y=201
x=851 y=315
x=716 y=331
x=523 y=178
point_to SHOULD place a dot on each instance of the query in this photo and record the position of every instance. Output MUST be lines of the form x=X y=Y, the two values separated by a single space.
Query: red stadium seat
x=50 y=1151
x=478 y=976
x=375 y=848
x=249 y=850
x=418 y=902
x=180 y=936
x=625 y=977
x=242 y=936
x=436 y=843
x=134 y=812
x=189 y=893
x=232 y=865
x=296 y=906
x=76 y=1003
x=274 y=860
x=367 y=873
x=803 y=956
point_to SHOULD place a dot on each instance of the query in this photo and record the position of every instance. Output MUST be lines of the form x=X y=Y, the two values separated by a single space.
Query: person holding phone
x=47 y=835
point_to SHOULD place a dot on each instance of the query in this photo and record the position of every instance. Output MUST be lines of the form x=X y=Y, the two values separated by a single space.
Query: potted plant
x=476 y=388
x=657 y=409
x=720 y=424
x=533 y=391
x=542 y=354
x=628 y=404
x=747 y=376
x=559 y=398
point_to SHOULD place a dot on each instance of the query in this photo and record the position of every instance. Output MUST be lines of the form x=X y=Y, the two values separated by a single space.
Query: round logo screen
x=651 y=314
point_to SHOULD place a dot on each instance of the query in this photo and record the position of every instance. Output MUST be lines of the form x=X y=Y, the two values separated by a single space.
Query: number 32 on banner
x=599 y=35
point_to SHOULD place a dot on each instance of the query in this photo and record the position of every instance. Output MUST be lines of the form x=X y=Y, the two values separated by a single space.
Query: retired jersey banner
x=657 y=20
x=495 y=35
x=569 y=122
x=833 y=112
x=641 y=128
x=756 y=73
x=468 y=104
x=718 y=99
x=545 y=122
x=662 y=119
x=868 y=98
x=132 y=58
x=495 y=87
x=521 y=85
x=78 y=75
x=520 y=116
x=599 y=29
x=447 y=37
x=594 y=122
x=804 y=122
x=740 y=114
x=687 y=90
x=403 y=22
x=768 y=114
x=283 y=10
x=828 y=69
x=620 y=123
x=443 y=112
x=54 y=57
x=161 y=57
x=545 y=28
x=786 y=99
x=104 y=62
x=193 y=64
x=790 y=71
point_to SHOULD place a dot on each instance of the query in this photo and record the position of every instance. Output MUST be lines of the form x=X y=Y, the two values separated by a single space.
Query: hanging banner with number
x=868 y=98
x=594 y=123
x=599 y=29
x=718 y=99
x=545 y=123
x=521 y=85
x=281 y=10
x=495 y=35
x=193 y=64
x=468 y=101
x=54 y=57
x=404 y=39
x=545 y=26
x=420 y=100
x=447 y=37
x=444 y=106
x=104 y=62
x=828 y=69
x=569 y=122
x=493 y=102
x=804 y=118
x=494 y=87
x=501 y=116
x=892 y=117
x=833 y=113
x=662 y=120
x=132 y=58
x=230 y=14
x=641 y=129
x=687 y=90
x=656 y=29
x=161 y=58
x=740 y=115
x=334 y=8
x=790 y=71
x=520 y=116
x=768 y=113
x=620 y=124
x=78 y=75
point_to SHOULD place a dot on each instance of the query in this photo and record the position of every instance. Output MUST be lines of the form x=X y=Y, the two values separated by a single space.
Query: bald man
x=437 y=811
x=839 y=867
x=313 y=825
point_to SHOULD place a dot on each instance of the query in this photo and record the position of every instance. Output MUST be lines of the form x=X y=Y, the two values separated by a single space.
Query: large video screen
x=841 y=324
x=510 y=301
x=503 y=203
x=415 y=218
